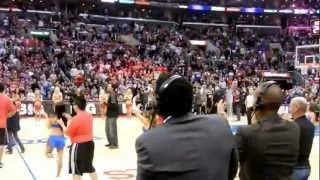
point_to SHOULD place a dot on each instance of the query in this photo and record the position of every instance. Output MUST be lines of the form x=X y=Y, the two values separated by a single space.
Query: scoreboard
x=316 y=27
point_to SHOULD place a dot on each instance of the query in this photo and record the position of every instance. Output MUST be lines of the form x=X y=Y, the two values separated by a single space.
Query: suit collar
x=177 y=120
x=271 y=118
x=301 y=118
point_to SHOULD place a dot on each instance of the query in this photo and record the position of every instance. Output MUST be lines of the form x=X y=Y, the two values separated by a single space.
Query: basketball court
x=110 y=164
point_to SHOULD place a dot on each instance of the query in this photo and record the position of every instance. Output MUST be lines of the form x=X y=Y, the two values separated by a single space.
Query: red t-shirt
x=6 y=106
x=80 y=130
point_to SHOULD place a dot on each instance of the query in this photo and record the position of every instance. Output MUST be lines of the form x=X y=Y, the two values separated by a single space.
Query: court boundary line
x=26 y=164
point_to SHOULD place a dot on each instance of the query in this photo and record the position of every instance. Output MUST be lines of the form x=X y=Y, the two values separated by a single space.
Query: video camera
x=283 y=79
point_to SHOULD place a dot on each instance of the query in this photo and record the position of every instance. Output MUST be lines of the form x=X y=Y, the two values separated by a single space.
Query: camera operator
x=185 y=146
x=269 y=148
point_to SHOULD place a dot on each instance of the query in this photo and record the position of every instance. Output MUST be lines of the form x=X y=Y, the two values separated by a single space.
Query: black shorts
x=3 y=137
x=81 y=157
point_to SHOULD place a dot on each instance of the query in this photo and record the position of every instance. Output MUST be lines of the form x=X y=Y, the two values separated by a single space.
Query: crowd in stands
x=131 y=56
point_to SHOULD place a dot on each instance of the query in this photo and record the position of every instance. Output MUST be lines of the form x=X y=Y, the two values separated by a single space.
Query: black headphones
x=161 y=104
x=260 y=104
x=167 y=83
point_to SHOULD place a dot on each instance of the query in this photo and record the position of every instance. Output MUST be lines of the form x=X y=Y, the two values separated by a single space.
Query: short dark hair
x=81 y=102
x=176 y=100
x=1 y=87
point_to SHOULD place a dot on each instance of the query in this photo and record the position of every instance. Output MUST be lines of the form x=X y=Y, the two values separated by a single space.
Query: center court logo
x=121 y=174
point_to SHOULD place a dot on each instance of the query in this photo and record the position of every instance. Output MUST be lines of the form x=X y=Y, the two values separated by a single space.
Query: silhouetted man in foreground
x=269 y=148
x=185 y=147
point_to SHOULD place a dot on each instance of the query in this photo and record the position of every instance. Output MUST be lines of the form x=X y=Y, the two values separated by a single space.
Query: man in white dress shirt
x=249 y=102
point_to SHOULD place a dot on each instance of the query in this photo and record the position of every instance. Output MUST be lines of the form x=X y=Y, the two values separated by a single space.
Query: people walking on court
x=80 y=130
x=111 y=121
x=7 y=110
x=56 y=140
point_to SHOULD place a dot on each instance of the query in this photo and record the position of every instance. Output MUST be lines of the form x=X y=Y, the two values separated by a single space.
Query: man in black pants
x=298 y=107
x=111 y=121
x=13 y=126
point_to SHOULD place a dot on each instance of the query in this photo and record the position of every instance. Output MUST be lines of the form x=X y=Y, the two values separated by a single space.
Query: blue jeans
x=13 y=139
x=111 y=131
x=301 y=173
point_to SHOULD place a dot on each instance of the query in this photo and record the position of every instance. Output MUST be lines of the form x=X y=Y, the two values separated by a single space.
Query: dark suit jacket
x=269 y=150
x=187 y=148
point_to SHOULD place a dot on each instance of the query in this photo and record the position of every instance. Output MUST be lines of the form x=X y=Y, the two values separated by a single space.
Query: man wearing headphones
x=186 y=146
x=269 y=148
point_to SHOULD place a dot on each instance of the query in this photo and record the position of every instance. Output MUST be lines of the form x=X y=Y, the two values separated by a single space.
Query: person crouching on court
x=56 y=140
x=80 y=130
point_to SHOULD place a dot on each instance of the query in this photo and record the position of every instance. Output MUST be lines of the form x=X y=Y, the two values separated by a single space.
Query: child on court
x=56 y=140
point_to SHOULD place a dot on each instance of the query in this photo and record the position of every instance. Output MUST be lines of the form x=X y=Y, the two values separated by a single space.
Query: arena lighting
x=204 y=24
x=301 y=11
x=218 y=8
x=257 y=26
x=126 y=1
x=109 y=1
x=251 y=10
x=183 y=7
x=286 y=11
x=4 y=9
x=312 y=11
x=40 y=33
x=270 y=10
x=10 y=9
x=197 y=7
x=40 y=12
x=300 y=27
x=233 y=9
x=142 y=2
x=198 y=42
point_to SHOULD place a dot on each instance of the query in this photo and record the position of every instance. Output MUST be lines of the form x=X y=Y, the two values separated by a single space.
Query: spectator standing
x=112 y=116
x=229 y=101
x=269 y=148
x=80 y=130
x=298 y=107
x=237 y=103
x=249 y=102
x=13 y=127
x=196 y=155
x=313 y=113
x=7 y=110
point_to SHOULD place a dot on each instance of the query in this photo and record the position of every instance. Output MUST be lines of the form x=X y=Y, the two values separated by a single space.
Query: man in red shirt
x=7 y=110
x=79 y=129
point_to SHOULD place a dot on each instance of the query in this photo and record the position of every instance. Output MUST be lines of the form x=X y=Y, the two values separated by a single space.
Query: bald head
x=298 y=106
